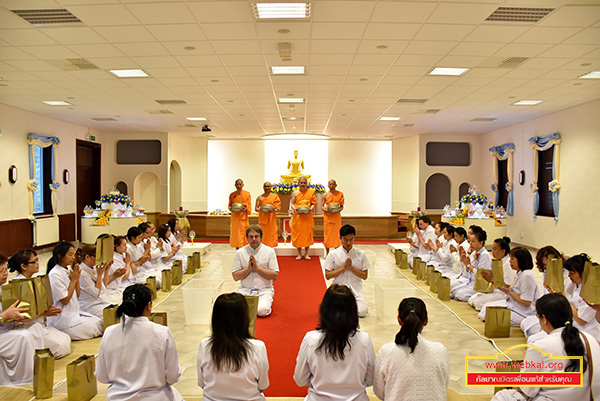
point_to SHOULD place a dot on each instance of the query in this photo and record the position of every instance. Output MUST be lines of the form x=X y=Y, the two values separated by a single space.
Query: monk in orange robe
x=302 y=223
x=239 y=219
x=267 y=220
x=332 y=219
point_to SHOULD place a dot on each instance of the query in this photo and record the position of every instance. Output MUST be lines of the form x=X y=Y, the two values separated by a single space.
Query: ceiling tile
x=162 y=13
x=240 y=31
x=221 y=11
x=199 y=61
x=142 y=49
x=429 y=47
x=113 y=63
x=446 y=32
x=393 y=46
x=100 y=50
x=379 y=31
x=241 y=59
x=236 y=46
x=331 y=59
x=347 y=11
x=589 y=36
x=73 y=35
x=31 y=65
x=495 y=33
x=338 y=30
x=177 y=32
x=156 y=61
x=546 y=35
x=475 y=49
x=122 y=34
x=375 y=60
x=333 y=46
x=581 y=15
x=26 y=37
x=403 y=11
x=297 y=30
x=457 y=13
x=178 y=48
x=569 y=51
x=103 y=15
x=522 y=50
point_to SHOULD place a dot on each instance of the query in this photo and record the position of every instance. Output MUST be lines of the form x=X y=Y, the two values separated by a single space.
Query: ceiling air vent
x=47 y=17
x=408 y=125
x=412 y=100
x=73 y=64
x=518 y=14
x=427 y=111
x=171 y=101
x=163 y=111
x=103 y=119
x=482 y=119
x=186 y=126
x=503 y=62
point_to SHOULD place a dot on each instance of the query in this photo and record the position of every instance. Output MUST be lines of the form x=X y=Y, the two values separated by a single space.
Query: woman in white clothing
x=231 y=364
x=336 y=360
x=442 y=259
x=460 y=238
x=17 y=344
x=64 y=281
x=121 y=269
x=26 y=263
x=412 y=368
x=480 y=258
x=140 y=257
x=174 y=239
x=169 y=250
x=138 y=358
x=556 y=319
x=500 y=250
x=520 y=297
x=94 y=297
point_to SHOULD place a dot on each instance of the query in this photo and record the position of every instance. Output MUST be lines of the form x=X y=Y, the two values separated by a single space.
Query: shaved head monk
x=333 y=204
x=267 y=205
x=240 y=205
x=303 y=205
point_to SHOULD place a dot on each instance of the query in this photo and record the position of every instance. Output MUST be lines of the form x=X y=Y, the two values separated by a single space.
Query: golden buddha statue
x=295 y=167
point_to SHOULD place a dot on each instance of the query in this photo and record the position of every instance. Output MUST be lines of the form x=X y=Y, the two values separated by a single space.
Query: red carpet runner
x=299 y=290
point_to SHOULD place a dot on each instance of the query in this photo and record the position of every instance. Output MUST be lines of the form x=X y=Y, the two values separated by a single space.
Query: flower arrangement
x=418 y=213
x=180 y=214
x=289 y=188
x=115 y=198
x=477 y=198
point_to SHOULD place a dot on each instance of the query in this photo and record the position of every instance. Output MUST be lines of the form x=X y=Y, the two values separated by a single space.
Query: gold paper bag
x=429 y=269
x=190 y=265
x=422 y=271
x=167 y=277
x=497 y=322
x=20 y=290
x=43 y=373
x=252 y=312
x=398 y=256
x=444 y=288
x=435 y=278
x=158 y=318
x=481 y=284
x=81 y=382
x=105 y=245
x=177 y=273
x=554 y=277
x=416 y=262
x=151 y=283
x=43 y=293
x=590 y=284
x=197 y=261
x=498 y=272
x=109 y=316
x=404 y=260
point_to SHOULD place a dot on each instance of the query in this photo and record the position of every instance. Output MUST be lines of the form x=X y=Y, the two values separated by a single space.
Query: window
x=42 y=197
x=545 y=160
x=502 y=180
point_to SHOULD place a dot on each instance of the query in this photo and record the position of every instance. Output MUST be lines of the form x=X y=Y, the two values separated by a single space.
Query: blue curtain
x=541 y=143
x=501 y=152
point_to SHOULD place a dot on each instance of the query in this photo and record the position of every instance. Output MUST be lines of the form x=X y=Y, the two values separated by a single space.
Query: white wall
x=577 y=228
x=230 y=160
x=15 y=125
x=363 y=172
x=190 y=151
x=405 y=174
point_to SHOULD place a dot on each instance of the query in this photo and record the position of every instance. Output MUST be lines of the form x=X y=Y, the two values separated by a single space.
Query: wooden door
x=88 y=177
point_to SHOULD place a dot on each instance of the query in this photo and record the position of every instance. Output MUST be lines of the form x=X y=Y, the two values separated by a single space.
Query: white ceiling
x=350 y=83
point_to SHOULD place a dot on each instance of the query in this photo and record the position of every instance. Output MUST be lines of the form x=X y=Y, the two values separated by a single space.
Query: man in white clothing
x=423 y=233
x=256 y=266
x=349 y=266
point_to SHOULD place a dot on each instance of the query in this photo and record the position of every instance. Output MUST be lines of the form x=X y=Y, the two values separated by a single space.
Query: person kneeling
x=256 y=266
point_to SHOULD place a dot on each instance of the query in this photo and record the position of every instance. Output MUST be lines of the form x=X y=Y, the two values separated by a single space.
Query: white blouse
x=265 y=257
x=245 y=384
x=526 y=287
x=341 y=380
x=91 y=299
x=337 y=258
x=139 y=360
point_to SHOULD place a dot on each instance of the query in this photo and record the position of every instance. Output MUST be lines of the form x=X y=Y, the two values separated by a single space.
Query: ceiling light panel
x=281 y=10
x=284 y=70
x=133 y=73
x=448 y=71
x=285 y=100
x=389 y=118
x=591 y=75
x=196 y=119
x=527 y=102
x=56 y=103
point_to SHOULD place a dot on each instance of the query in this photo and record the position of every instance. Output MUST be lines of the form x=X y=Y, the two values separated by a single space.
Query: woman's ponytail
x=135 y=299
x=413 y=314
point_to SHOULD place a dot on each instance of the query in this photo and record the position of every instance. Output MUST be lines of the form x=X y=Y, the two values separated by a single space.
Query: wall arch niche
x=122 y=187
x=146 y=191
x=174 y=185
x=463 y=189
x=437 y=191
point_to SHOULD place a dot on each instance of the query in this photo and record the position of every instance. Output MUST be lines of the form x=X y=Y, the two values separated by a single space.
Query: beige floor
x=452 y=323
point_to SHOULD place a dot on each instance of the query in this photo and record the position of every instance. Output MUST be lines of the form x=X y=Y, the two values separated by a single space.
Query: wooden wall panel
x=16 y=234
x=66 y=227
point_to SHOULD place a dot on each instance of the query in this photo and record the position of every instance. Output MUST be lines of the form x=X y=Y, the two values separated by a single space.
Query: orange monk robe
x=332 y=222
x=302 y=224
x=239 y=220
x=268 y=221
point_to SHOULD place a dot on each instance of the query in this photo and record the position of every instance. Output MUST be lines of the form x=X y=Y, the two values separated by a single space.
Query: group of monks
x=302 y=205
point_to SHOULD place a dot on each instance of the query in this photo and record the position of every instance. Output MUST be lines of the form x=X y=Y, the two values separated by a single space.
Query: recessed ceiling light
x=189 y=48
x=591 y=75
x=448 y=71
x=290 y=100
x=135 y=73
x=292 y=118
x=215 y=81
x=56 y=103
x=295 y=136
x=196 y=119
x=363 y=79
x=275 y=70
x=382 y=47
x=389 y=118
x=527 y=102
x=281 y=10
x=284 y=31
x=585 y=64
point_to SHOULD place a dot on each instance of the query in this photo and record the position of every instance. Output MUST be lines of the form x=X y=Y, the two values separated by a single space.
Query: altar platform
x=202 y=247
x=288 y=250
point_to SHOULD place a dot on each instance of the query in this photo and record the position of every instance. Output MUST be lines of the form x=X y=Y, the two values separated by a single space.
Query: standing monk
x=333 y=204
x=267 y=219
x=240 y=205
x=302 y=223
